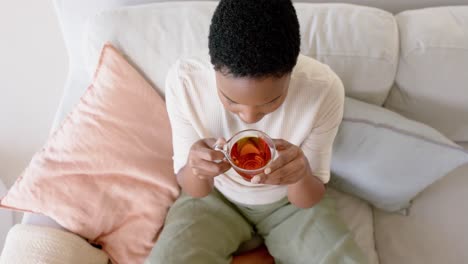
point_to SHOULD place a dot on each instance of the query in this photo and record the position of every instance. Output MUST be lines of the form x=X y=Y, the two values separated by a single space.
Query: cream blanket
x=30 y=244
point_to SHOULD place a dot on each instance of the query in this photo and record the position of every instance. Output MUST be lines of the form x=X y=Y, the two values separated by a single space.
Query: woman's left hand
x=290 y=166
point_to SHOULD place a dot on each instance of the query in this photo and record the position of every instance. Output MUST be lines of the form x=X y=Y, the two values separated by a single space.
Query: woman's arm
x=194 y=159
x=197 y=176
x=306 y=169
x=292 y=168
x=193 y=185
x=306 y=192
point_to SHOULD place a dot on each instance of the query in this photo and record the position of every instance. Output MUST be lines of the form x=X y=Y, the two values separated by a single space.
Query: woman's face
x=252 y=98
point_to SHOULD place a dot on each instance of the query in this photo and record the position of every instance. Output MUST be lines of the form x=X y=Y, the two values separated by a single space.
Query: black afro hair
x=254 y=38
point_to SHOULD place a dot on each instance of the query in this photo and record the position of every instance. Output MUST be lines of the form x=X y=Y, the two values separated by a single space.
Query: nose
x=250 y=115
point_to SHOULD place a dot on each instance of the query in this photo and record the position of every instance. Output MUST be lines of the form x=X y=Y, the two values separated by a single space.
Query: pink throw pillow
x=106 y=173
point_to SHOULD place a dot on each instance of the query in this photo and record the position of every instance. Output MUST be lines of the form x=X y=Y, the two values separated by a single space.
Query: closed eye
x=273 y=101
x=229 y=100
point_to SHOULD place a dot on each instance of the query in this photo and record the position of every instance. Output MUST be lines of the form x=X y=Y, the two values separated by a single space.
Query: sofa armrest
x=435 y=231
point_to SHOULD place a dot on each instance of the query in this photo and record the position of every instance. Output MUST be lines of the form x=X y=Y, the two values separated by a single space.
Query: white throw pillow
x=387 y=159
x=432 y=78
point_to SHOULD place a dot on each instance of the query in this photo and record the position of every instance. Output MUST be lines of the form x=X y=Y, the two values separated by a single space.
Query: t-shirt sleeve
x=183 y=133
x=318 y=145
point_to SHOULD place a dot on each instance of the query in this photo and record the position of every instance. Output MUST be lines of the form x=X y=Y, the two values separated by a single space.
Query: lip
x=249 y=122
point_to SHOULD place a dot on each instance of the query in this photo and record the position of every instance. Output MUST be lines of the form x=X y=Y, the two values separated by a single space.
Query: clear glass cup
x=249 y=152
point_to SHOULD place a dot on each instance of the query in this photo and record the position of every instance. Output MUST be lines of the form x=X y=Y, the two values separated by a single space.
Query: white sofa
x=6 y=217
x=415 y=62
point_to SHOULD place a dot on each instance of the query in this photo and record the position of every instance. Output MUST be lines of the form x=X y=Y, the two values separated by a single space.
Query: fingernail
x=256 y=179
x=267 y=171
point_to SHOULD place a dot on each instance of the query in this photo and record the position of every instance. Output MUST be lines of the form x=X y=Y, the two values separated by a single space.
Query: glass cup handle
x=220 y=147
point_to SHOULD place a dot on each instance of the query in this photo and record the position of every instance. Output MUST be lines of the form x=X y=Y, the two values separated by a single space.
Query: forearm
x=193 y=185
x=306 y=192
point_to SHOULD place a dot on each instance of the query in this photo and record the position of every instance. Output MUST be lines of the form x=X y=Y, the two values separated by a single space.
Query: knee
x=173 y=254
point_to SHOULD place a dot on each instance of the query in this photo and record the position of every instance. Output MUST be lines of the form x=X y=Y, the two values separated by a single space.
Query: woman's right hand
x=204 y=162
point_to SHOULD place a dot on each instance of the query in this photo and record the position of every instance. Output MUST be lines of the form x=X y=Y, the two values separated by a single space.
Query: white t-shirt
x=309 y=117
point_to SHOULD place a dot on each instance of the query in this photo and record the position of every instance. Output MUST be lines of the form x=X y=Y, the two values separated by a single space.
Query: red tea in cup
x=250 y=153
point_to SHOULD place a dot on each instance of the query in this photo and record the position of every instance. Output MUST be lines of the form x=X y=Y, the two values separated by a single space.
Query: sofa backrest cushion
x=359 y=43
x=432 y=78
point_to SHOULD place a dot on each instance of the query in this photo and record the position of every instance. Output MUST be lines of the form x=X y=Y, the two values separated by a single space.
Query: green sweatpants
x=211 y=229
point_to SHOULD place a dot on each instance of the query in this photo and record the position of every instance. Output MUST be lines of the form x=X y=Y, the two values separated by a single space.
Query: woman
x=254 y=78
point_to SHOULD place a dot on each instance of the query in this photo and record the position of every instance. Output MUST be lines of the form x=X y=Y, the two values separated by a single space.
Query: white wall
x=33 y=68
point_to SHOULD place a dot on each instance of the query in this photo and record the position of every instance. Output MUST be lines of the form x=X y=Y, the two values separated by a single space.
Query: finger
x=284 y=174
x=206 y=174
x=284 y=157
x=220 y=141
x=272 y=181
x=208 y=142
x=212 y=142
x=209 y=168
x=209 y=154
x=257 y=178
x=292 y=178
x=274 y=178
x=281 y=144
